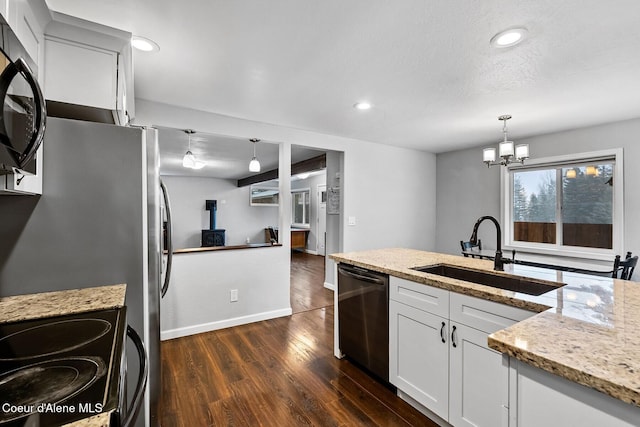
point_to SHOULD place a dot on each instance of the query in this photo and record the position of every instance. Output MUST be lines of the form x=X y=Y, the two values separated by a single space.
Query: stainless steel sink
x=510 y=283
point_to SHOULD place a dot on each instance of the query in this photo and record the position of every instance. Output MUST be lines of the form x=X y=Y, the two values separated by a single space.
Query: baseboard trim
x=330 y=286
x=310 y=252
x=221 y=324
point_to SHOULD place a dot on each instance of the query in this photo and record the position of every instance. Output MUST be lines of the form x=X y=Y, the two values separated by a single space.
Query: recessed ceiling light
x=508 y=38
x=362 y=105
x=144 y=44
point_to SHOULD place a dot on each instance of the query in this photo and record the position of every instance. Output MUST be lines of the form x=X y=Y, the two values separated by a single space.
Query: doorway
x=321 y=219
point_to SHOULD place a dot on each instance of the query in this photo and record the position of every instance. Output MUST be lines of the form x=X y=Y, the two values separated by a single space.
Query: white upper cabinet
x=77 y=73
x=88 y=71
x=27 y=19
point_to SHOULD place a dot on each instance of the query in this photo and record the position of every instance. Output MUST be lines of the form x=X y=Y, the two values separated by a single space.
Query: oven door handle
x=39 y=113
x=132 y=412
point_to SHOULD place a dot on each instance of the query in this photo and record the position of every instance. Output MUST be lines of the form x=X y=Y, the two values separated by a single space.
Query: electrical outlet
x=233 y=295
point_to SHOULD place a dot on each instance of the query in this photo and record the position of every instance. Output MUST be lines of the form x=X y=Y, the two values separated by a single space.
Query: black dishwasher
x=363 y=315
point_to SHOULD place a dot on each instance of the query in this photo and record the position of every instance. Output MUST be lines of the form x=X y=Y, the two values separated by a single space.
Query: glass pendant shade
x=189 y=160
x=505 y=148
x=522 y=151
x=254 y=165
x=489 y=155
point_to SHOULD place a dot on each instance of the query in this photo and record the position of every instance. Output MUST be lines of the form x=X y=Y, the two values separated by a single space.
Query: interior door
x=322 y=219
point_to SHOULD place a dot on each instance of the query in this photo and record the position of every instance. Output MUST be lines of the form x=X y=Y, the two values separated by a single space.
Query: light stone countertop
x=587 y=330
x=59 y=303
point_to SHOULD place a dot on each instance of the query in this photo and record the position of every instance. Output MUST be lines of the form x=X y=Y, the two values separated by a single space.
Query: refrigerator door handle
x=167 y=276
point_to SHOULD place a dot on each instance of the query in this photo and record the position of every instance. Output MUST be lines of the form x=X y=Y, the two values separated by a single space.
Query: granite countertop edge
x=579 y=373
x=59 y=303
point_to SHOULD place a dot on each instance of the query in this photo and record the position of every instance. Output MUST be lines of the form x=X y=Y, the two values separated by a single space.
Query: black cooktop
x=58 y=370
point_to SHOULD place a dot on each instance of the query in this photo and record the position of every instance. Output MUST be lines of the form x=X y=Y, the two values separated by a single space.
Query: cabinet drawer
x=487 y=316
x=423 y=297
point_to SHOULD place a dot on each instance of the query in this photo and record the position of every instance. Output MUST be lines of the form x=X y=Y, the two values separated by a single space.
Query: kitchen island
x=585 y=331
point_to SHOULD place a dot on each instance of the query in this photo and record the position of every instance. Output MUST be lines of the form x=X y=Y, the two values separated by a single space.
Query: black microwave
x=23 y=117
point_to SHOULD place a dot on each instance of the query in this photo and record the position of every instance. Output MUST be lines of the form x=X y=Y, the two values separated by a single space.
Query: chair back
x=468 y=246
x=625 y=267
x=273 y=235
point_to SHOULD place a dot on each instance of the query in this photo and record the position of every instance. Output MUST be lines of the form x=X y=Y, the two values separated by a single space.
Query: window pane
x=534 y=206
x=587 y=206
x=298 y=208
x=306 y=207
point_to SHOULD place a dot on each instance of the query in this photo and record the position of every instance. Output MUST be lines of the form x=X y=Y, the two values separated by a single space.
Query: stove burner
x=53 y=381
x=52 y=338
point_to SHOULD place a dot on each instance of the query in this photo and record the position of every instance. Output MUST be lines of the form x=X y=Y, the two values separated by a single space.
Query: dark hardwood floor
x=307 y=283
x=278 y=372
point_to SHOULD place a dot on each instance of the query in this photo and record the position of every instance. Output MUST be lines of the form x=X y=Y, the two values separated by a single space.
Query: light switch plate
x=352 y=220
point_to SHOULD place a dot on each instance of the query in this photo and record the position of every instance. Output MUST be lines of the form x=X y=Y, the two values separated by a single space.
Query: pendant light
x=189 y=160
x=506 y=150
x=254 y=164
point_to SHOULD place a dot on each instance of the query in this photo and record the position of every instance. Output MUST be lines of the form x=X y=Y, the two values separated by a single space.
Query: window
x=570 y=205
x=264 y=195
x=300 y=207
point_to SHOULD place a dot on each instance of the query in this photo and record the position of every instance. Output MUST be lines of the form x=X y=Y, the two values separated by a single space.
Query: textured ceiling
x=426 y=65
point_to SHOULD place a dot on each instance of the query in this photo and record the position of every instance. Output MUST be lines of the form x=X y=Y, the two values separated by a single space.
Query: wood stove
x=212 y=236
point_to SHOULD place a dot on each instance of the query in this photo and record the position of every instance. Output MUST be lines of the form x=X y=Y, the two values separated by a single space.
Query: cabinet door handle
x=453 y=336
x=442 y=334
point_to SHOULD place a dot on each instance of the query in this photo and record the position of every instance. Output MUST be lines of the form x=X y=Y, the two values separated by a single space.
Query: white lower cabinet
x=478 y=380
x=419 y=359
x=444 y=364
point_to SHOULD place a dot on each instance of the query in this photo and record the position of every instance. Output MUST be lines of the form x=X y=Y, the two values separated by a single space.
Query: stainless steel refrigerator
x=96 y=223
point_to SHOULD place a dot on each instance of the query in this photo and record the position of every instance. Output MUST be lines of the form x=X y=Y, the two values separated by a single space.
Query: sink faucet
x=498 y=263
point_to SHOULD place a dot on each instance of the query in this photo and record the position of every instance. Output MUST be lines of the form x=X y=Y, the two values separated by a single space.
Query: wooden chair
x=467 y=246
x=625 y=267
x=272 y=235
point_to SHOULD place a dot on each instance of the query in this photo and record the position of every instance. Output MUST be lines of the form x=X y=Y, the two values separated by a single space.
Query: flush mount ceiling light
x=144 y=44
x=362 y=105
x=506 y=149
x=189 y=160
x=254 y=164
x=509 y=37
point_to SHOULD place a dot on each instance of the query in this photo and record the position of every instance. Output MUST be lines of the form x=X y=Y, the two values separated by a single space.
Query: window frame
x=306 y=197
x=557 y=249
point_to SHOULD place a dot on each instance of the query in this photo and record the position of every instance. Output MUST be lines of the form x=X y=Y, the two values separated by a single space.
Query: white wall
x=389 y=190
x=467 y=189
x=198 y=299
x=235 y=215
